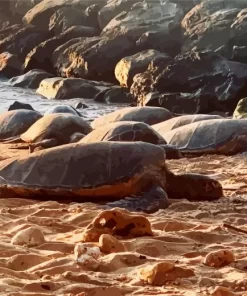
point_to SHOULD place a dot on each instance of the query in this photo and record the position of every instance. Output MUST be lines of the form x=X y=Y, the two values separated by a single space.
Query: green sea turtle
x=124 y=131
x=182 y=120
x=217 y=136
x=15 y=122
x=131 y=131
x=53 y=130
x=149 y=115
x=100 y=171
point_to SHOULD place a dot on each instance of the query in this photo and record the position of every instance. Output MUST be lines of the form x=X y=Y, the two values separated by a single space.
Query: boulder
x=67 y=17
x=128 y=67
x=144 y=17
x=212 y=24
x=68 y=88
x=19 y=105
x=9 y=65
x=19 y=8
x=211 y=81
x=92 y=58
x=114 y=94
x=40 y=56
x=23 y=41
x=112 y=9
x=40 y=14
x=241 y=109
x=31 y=79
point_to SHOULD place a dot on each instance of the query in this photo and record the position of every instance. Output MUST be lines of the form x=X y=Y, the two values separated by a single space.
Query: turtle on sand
x=53 y=130
x=124 y=131
x=63 y=109
x=149 y=115
x=101 y=171
x=131 y=131
x=215 y=136
x=14 y=123
x=182 y=120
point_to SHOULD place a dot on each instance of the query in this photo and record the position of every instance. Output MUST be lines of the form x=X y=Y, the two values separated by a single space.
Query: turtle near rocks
x=149 y=115
x=15 y=122
x=109 y=171
x=182 y=120
x=215 y=136
x=63 y=109
x=53 y=130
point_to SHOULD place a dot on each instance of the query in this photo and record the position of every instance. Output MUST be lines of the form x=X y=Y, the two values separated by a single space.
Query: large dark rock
x=9 y=65
x=40 y=14
x=129 y=66
x=40 y=56
x=68 y=88
x=67 y=17
x=92 y=58
x=213 y=24
x=114 y=94
x=23 y=41
x=127 y=34
x=206 y=81
x=31 y=79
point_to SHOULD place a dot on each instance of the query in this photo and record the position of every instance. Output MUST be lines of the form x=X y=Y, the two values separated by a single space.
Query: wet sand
x=183 y=235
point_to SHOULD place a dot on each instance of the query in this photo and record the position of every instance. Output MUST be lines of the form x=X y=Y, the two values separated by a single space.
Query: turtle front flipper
x=47 y=143
x=149 y=202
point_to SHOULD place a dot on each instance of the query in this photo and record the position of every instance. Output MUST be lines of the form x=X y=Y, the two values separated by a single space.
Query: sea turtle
x=182 y=120
x=53 y=130
x=63 y=109
x=14 y=123
x=131 y=131
x=149 y=115
x=124 y=131
x=104 y=171
x=217 y=136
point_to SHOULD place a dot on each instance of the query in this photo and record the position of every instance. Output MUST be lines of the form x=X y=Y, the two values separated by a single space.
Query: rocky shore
x=187 y=56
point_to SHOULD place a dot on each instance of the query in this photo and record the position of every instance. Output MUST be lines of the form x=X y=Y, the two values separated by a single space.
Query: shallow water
x=9 y=94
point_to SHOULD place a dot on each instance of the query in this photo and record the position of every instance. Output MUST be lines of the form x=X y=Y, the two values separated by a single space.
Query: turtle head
x=194 y=187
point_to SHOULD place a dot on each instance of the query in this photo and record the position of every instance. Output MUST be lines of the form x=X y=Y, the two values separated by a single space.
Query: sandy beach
x=184 y=235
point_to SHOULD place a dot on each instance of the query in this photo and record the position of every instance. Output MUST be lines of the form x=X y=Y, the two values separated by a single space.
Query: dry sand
x=183 y=235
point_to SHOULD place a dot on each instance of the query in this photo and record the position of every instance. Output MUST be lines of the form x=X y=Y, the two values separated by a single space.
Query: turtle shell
x=149 y=115
x=63 y=109
x=14 y=123
x=60 y=126
x=129 y=131
x=176 y=122
x=225 y=136
x=102 y=169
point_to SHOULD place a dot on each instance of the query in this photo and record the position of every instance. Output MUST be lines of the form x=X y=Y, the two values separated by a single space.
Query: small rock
x=219 y=258
x=30 y=237
x=18 y=105
x=151 y=273
x=86 y=255
x=222 y=291
x=109 y=244
x=80 y=105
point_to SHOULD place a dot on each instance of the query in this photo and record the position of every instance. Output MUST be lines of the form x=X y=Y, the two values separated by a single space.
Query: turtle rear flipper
x=11 y=140
x=149 y=202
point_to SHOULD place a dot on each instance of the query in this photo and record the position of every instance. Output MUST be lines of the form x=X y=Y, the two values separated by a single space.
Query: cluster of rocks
x=187 y=56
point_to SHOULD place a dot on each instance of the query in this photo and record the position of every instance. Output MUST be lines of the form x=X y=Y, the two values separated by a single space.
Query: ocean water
x=9 y=94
